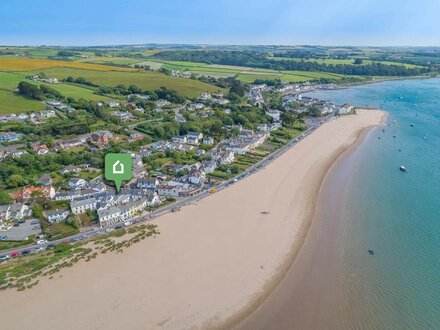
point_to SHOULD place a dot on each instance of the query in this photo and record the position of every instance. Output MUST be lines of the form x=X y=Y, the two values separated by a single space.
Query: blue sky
x=332 y=22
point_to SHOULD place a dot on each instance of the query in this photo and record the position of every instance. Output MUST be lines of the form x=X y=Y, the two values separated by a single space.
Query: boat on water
x=371 y=252
x=403 y=168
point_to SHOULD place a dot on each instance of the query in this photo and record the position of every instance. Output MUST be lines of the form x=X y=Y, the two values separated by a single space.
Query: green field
x=147 y=80
x=11 y=102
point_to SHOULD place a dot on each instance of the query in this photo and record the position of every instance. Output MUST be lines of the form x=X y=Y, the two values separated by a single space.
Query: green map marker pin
x=118 y=168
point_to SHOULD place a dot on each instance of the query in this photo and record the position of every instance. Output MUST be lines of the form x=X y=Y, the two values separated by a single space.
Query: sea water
x=396 y=214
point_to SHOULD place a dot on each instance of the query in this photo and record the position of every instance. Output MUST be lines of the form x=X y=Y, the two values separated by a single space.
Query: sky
x=249 y=22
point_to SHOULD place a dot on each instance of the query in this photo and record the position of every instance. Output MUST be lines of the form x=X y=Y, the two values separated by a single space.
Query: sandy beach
x=213 y=263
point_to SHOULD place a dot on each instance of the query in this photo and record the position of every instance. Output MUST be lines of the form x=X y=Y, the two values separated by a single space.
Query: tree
x=29 y=90
x=15 y=181
x=314 y=110
x=357 y=61
x=288 y=118
x=237 y=87
x=5 y=198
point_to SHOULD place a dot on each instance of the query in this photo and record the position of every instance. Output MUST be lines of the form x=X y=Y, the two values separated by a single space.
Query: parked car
x=4 y=257
x=15 y=254
x=35 y=222
x=41 y=241
x=25 y=252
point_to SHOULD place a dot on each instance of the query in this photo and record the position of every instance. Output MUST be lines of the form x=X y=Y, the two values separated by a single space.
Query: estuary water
x=393 y=213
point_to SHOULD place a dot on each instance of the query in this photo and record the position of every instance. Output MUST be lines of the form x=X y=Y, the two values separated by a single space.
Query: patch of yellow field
x=30 y=64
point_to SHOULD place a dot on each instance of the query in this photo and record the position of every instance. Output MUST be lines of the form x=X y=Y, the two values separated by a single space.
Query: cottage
x=57 y=215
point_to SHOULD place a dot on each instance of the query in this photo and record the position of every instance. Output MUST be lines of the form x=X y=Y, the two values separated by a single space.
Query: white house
x=82 y=206
x=47 y=113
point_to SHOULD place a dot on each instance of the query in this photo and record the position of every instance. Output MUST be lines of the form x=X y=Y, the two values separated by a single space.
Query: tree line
x=261 y=60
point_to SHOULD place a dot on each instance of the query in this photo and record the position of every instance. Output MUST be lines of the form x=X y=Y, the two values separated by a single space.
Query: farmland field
x=27 y=64
x=144 y=79
x=110 y=60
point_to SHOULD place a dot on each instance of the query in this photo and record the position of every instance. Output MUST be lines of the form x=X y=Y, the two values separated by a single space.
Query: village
x=79 y=195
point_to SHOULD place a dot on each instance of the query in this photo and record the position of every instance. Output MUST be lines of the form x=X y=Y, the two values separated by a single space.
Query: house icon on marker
x=117 y=170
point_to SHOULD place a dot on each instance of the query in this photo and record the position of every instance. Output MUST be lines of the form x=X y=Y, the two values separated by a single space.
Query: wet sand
x=213 y=263
x=312 y=293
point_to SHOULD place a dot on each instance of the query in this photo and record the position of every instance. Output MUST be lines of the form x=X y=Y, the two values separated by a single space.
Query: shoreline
x=255 y=319
x=237 y=249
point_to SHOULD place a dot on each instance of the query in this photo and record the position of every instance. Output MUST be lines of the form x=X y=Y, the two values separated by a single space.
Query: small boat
x=400 y=150
x=412 y=125
x=424 y=138
x=394 y=121
x=371 y=252
x=403 y=168
x=378 y=137
x=394 y=136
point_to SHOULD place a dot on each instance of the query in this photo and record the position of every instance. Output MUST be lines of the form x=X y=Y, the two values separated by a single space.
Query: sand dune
x=212 y=263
